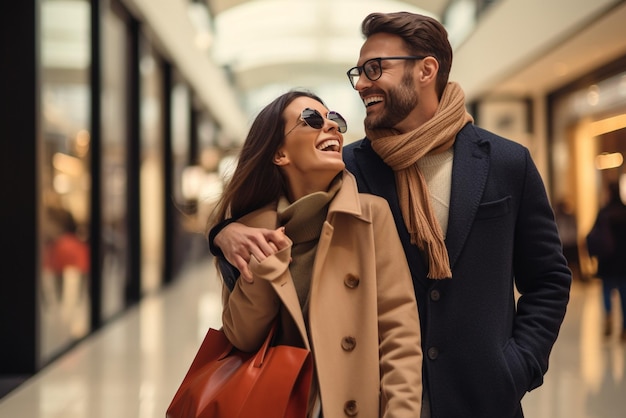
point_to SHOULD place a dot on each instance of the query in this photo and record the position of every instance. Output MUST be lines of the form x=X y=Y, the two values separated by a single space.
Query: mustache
x=372 y=91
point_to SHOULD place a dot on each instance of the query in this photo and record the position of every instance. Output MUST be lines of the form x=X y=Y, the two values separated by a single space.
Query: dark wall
x=19 y=131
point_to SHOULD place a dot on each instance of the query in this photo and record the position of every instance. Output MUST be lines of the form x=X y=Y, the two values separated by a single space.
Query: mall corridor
x=121 y=122
x=132 y=367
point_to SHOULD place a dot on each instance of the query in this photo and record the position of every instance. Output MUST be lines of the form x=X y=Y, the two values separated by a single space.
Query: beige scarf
x=401 y=153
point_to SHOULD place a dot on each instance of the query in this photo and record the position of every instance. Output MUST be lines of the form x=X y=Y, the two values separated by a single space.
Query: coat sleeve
x=541 y=276
x=398 y=323
x=249 y=310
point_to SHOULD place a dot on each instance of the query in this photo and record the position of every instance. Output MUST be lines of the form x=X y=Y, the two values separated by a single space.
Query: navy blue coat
x=482 y=350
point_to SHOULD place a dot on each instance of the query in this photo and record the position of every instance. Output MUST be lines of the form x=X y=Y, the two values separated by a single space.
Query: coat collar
x=378 y=177
x=347 y=199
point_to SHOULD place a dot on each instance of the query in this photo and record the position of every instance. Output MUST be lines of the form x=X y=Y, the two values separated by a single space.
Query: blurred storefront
x=587 y=148
x=118 y=131
x=98 y=211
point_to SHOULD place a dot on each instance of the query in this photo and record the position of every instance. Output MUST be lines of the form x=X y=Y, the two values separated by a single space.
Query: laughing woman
x=342 y=287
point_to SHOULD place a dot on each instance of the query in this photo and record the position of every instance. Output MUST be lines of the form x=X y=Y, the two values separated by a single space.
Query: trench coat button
x=348 y=343
x=435 y=295
x=433 y=353
x=351 y=281
x=350 y=408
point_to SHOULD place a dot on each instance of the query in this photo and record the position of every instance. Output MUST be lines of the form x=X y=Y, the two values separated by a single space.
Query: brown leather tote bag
x=223 y=382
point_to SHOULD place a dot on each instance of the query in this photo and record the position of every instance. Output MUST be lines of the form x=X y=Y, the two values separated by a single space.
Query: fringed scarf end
x=438 y=263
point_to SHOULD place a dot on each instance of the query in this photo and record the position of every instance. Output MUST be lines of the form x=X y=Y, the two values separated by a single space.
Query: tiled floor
x=132 y=367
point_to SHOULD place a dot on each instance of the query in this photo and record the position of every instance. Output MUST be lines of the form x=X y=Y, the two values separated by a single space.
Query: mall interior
x=120 y=120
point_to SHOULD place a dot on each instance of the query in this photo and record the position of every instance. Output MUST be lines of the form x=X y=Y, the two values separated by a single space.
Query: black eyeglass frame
x=308 y=118
x=361 y=69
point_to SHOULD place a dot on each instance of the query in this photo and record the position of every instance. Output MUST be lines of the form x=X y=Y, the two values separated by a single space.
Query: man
x=474 y=220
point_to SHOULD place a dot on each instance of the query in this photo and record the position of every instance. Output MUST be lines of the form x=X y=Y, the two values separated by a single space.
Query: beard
x=399 y=102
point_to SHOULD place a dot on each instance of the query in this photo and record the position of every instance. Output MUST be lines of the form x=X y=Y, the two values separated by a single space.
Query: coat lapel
x=286 y=291
x=375 y=176
x=469 y=176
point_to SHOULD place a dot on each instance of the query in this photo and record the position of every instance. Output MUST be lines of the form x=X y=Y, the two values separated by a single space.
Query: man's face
x=390 y=99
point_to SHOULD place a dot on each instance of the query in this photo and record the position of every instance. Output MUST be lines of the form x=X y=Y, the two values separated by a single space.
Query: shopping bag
x=223 y=382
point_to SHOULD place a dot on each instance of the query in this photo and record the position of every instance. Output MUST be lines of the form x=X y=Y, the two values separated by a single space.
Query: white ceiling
x=270 y=46
x=518 y=48
x=301 y=41
x=433 y=6
x=598 y=39
x=533 y=47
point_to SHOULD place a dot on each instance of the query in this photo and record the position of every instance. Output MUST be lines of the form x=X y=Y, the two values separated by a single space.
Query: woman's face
x=309 y=158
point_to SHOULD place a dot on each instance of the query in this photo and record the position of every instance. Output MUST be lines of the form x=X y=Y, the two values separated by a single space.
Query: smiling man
x=473 y=217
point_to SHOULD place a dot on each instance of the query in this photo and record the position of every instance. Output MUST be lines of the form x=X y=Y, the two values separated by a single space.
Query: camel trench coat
x=363 y=325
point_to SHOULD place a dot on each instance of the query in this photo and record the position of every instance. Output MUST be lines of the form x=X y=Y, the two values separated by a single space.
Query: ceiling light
x=607 y=160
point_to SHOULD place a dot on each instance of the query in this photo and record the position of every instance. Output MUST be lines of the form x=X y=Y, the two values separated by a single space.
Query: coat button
x=351 y=281
x=350 y=408
x=435 y=295
x=433 y=353
x=348 y=343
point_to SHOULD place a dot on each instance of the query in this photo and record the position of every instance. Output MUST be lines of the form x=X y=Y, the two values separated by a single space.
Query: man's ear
x=429 y=69
x=280 y=158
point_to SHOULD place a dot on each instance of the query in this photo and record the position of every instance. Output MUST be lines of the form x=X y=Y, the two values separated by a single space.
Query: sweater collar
x=303 y=219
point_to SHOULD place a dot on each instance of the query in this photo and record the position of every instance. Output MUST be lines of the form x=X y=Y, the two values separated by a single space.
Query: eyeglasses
x=315 y=120
x=373 y=69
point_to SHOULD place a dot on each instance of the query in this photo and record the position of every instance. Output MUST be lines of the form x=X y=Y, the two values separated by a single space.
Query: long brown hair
x=423 y=35
x=257 y=181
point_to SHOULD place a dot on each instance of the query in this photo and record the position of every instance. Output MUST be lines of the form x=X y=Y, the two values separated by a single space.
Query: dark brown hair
x=257 y=181
x=422 y=35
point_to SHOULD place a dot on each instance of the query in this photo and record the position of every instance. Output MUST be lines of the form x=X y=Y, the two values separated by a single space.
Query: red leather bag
x=223 y=382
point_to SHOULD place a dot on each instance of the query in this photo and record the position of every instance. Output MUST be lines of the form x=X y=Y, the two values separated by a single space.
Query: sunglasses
x=315 y=120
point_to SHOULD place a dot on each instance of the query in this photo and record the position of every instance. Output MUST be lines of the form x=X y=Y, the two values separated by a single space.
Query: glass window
x=181 y=134
x=65 y=175
x=589 y=133
x=208 y=182
x=152 y=168
x=183 y=242
x=115 y=111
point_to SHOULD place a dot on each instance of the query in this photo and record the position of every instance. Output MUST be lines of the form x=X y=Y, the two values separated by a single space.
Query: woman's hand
x=239 y=242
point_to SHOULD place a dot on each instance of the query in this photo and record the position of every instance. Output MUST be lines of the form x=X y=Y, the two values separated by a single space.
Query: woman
x=343 y=288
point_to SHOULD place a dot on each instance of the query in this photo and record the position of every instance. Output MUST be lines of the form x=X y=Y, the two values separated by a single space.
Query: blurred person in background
x=607 y=242
x=64 y=250
x=341 y=286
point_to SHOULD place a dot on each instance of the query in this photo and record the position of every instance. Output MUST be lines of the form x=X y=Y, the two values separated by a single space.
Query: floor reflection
x=132 y=367
x=586 y=373
x=64 y=310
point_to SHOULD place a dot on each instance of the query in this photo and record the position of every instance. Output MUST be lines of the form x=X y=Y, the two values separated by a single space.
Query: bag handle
x=259 y=357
